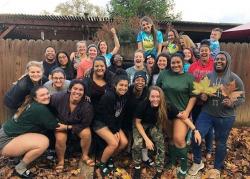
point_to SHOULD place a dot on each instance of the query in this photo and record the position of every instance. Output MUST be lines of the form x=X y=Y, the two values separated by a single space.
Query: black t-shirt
x=148 y=114
x=48 y=67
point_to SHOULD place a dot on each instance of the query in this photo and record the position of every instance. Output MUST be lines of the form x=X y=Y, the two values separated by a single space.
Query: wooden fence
x=14 y=55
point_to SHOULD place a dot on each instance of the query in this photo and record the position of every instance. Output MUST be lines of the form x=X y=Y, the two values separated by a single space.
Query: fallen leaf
x=204 y=87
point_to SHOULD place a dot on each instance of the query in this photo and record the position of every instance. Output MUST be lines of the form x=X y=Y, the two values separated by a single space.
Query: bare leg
x=112 y=143
x=31 y=145
x=85 y=136
x=61 y=139
x=179 y=133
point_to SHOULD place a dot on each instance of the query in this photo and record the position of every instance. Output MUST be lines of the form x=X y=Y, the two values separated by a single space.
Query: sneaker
x=26 y=174
x=181 y=174
x=137 y=173
x=195 y=168
x=110 y=164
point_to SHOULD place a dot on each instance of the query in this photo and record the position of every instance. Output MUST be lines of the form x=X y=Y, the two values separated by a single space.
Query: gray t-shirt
x=53 y=90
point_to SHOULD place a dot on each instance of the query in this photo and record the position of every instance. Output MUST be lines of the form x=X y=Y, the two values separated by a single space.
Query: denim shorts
x=4 y=139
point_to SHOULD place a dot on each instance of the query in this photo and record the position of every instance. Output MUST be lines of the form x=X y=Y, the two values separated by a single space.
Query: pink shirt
x=199 y=71
x=83 y=67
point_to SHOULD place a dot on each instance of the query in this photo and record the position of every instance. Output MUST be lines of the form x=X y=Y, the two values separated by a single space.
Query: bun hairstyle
x=120 y=75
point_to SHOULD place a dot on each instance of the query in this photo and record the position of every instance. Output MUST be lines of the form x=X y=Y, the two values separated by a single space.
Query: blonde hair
x=34 y=64
x=187 y=41
x=81 y=42
x=162 y=110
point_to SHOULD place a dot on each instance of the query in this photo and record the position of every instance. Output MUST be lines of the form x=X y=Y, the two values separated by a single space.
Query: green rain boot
x=172 y=157
x=182 y=155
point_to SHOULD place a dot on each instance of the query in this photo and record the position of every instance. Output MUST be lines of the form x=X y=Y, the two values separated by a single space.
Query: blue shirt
x=148 y=41
x=108 y=56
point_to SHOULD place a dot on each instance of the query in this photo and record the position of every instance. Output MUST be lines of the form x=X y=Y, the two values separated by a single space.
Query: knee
x=123 y=143
x=85 y=133
x=179 y=141
x=113 y=144
x=43 y=143
x=61 y=139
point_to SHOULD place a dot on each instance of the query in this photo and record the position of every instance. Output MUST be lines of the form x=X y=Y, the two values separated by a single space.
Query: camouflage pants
x=156 y=136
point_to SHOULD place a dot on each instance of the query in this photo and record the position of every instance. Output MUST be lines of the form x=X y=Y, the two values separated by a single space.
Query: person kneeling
x=21 y=135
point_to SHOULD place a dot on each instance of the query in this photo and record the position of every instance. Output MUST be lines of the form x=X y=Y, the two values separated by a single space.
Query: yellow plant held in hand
x=123 y=174
x=204 y=87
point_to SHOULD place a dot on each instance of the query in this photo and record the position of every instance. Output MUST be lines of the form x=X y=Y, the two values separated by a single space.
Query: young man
x=214 y=41
x=219 y=113
x=49 y=63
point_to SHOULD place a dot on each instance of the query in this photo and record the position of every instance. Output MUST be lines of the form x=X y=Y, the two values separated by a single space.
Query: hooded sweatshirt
x=214 y=105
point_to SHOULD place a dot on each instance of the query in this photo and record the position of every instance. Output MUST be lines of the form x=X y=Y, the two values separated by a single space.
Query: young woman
x=108 y=119
x=161 y=64
x=63 y=61
x=172 y=45
x=15 y=96
x=149 y=39
x=21 y=135
x=80 y=54
x=178 y=87
x=58 y=82
x=116 y=63
x=98 y=81
x=138 y=65
x=87 y=64
x=103 y=48
x=150 y=125
x=75 y=114
x=150 y=61
x=188 y=58
x=136 y=93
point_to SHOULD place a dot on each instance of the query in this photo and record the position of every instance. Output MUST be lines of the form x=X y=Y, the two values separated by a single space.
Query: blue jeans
x=222 y=127
x=210 y=134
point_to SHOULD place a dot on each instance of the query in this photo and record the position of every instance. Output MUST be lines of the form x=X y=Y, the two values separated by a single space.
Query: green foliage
x=79 y=8
x=160 y=9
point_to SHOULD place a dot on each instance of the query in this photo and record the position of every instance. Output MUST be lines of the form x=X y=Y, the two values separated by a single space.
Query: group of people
x=141 y=109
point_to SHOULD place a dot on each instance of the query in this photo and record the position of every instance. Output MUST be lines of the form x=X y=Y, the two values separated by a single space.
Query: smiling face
x=122 y=87
x=146 y=26
x=50 y=54
x=204 y=53
x=150 y=62
x=81 y=48
x=76 y=93
x=215 y=35
x=92 y=52
x=171 y=36
x=58 y=79
x=35 y=73
x=103 y=47
x=176 y=65
x=182 y=43
x=139 y=83
x=154 y=98
x=63 y=59
x=138 y=59
x=42 y=96
x=99 y=68
x=187 y=54
x=162 y=62
x=220 y=63
x=118 y=60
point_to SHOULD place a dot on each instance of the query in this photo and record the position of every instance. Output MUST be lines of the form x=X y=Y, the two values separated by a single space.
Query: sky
x=218 y=11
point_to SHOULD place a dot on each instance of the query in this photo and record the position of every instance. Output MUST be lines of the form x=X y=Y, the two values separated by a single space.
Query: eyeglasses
x=56 y=78
x=118 y=58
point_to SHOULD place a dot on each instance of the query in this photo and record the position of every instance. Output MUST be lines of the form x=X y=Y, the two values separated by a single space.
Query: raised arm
x=116 y=41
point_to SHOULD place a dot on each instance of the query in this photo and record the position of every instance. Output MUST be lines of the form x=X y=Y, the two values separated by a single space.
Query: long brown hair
x=28 y=100
x=162 y=109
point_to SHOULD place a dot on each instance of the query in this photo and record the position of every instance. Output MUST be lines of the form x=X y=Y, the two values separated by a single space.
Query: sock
x=182 y=155
x=21 y=167
x=144 y=154
x=172 y=154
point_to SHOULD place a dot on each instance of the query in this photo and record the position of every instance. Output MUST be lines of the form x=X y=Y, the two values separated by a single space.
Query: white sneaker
x=195 y=168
